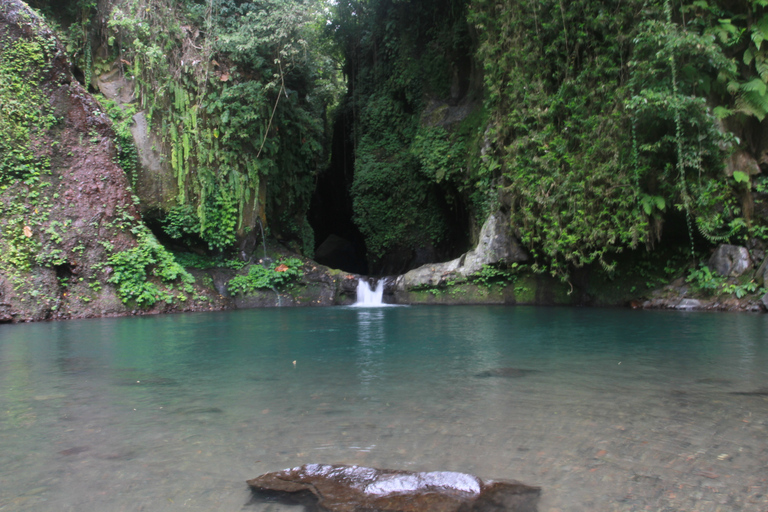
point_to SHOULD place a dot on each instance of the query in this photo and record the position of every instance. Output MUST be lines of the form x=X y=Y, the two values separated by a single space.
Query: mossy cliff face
x=72 y=240
x=72 y=243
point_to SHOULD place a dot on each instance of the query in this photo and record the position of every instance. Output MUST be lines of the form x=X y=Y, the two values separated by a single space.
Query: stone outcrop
x=496 y=245
x=155 y=182
x=743 y=162
x=340 y=488
x=730 y=260
x=69 y=207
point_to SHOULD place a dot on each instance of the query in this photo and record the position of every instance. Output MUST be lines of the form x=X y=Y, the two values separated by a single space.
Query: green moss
x=26 y=118
x=234 y=121
x=525 y=289
x=27 y=113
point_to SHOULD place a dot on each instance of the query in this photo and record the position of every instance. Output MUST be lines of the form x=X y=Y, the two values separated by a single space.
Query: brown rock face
x=340 y=488
x=69 y=208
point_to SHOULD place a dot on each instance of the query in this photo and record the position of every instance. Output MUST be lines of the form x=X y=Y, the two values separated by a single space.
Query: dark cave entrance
x=338 y=242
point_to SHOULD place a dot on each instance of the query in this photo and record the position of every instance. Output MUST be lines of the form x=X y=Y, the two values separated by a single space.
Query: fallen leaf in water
x=708 y=474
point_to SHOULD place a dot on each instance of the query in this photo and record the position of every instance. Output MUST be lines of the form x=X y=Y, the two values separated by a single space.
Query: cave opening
x=338 y=242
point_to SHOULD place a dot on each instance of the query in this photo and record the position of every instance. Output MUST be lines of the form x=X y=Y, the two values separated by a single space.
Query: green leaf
x=757 y=38
x=755 y=85
x=741 y=177
x=762 y=69
x=749 y=55
x=722 y=112
x=754 y=104
x=660 y=203
x=762 y=27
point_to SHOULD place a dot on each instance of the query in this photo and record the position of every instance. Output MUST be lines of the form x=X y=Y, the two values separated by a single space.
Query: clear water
x=628 y=410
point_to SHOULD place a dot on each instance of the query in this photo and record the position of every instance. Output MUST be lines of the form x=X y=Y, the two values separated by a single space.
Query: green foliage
x=220 y=225
x=278 y=275
x=601 y=125
x=219 y=221
x=78 y=37
x=600 y=120
x=239 y=93
x=181 y=221
x=555 y=88
x=395 y=206
x=122 y=119
x=192 y=260
x=440 y=160
x=133 y=269
x=489 y=275
x=26 y=112
x=740 y=28
x=412 y=174
x=712 y=283
x=26 y=118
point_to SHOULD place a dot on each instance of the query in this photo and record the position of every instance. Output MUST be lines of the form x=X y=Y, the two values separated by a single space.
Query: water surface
x=607 y=410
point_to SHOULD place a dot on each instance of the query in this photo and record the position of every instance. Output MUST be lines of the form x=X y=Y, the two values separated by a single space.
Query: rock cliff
x=67 y=213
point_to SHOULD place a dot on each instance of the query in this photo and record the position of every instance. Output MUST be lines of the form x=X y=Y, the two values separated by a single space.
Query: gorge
x=227 y=160
x=270 y=132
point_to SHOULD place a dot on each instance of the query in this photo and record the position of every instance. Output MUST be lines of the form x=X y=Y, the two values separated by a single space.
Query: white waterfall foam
x=368 y=297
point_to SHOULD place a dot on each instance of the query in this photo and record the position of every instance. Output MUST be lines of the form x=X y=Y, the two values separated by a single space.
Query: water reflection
x=370 y=347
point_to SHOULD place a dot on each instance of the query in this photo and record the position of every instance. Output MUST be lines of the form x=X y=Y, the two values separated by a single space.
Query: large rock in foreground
x=340 y=488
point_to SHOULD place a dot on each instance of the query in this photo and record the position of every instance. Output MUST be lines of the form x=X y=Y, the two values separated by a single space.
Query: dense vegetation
x=239 y=93
x=26 y=114
x=408 y=64
x=591 y=124
x=600 y=121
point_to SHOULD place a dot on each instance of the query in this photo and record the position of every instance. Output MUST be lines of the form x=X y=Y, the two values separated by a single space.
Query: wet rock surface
x=341 y=488
x=678 y=295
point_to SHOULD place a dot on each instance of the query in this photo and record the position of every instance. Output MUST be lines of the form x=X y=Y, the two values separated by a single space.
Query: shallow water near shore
x=606 y=410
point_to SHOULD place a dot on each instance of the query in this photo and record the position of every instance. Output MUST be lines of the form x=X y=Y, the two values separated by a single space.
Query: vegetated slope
x=72 y=243
x=599 y=128
x=611 y=135
x=235 y=97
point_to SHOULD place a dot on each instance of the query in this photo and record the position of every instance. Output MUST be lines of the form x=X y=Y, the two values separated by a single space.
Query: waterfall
x=367 y=297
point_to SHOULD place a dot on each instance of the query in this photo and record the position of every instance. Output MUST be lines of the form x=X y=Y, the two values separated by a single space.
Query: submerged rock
x=508 y=373
x=341 y=488
x=757 y=392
